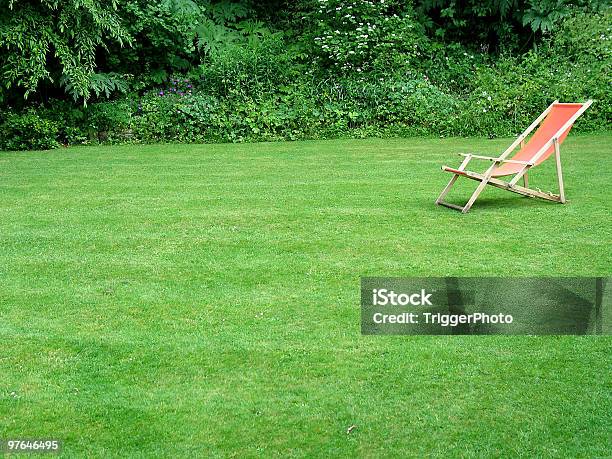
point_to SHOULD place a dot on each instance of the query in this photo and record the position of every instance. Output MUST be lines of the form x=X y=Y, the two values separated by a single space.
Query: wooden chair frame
x=487 y=177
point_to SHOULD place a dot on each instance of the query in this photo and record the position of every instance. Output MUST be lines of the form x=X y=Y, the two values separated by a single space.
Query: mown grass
x=190 y=300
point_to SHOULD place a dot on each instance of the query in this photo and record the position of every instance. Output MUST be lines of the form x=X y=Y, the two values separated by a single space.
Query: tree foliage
x=56 y=41
x=498 y=24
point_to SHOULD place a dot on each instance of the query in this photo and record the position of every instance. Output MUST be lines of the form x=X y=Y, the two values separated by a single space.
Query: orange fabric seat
x=557 y=117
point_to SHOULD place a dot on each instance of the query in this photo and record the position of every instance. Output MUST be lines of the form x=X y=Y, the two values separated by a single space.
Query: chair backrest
x=559 y=115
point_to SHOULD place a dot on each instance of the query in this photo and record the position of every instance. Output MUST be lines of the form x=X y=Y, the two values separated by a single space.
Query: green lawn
x=190 y=300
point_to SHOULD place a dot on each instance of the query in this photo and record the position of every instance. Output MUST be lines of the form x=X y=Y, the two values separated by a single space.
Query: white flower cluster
x=351 y=31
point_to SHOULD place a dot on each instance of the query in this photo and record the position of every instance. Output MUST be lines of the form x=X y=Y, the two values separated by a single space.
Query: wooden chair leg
x=559 y=172
x=474 y=196
x=453 y=179
x=481 y=186
x=525 y=181
x=446 y=189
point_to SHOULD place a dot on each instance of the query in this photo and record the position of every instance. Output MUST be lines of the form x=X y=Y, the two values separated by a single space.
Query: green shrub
x=258 y=92
x=248 y=69
x=28 y=131
x=348 y=36
x=156 y=119
x=585 y=43
x=71 y=121
x=109 y=121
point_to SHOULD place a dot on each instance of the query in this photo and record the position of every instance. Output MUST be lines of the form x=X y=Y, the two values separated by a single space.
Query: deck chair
x=557 y=120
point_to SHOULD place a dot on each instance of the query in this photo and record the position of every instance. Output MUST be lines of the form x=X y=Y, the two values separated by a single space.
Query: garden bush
x=28 y=131
x=262 y=67
x=408 y=85
x=348 y=36
x=71 y=121
x=109 y=121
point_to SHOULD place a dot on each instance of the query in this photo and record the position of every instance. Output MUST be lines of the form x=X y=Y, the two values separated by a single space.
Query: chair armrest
x=501 y=160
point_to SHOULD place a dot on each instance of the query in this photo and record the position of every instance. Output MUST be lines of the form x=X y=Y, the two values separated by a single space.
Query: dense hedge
x=263 y=92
